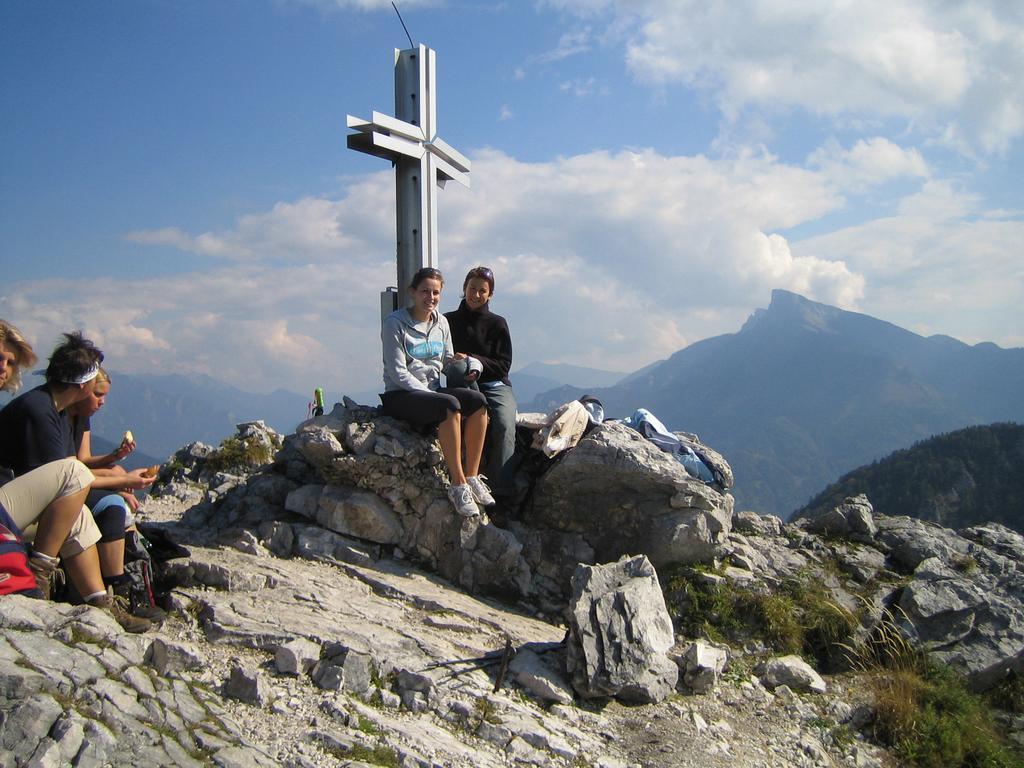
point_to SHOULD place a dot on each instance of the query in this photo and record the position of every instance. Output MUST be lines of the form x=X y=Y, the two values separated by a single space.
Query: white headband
x=89 y=375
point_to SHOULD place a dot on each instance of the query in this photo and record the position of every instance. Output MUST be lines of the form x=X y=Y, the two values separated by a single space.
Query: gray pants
x=501 y=439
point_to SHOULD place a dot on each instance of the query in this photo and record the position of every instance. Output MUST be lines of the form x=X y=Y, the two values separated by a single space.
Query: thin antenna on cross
x=411 y=44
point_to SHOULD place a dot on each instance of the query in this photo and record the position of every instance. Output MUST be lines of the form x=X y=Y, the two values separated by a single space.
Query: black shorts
x=424 y=408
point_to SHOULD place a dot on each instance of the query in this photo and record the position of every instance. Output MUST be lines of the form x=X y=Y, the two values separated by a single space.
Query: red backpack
x=15 y=575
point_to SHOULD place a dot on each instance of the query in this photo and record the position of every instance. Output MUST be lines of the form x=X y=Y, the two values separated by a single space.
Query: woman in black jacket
x=480 y=334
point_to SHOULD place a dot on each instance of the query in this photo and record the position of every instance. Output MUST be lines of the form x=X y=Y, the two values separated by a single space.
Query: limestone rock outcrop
x=622 y=494
x=621 y=632
x=303 y=631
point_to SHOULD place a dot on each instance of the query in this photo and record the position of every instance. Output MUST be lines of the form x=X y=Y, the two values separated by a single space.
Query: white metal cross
x=423 y=162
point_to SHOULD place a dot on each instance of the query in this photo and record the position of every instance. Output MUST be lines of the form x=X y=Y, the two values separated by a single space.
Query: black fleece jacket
x=483 y=335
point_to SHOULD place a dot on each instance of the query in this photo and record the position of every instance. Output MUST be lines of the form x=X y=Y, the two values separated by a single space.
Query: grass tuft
x=800 y=617
x=235 y=454
x=924 y=711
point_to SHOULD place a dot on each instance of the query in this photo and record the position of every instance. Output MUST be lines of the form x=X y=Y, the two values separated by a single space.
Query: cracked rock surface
x=408 y=666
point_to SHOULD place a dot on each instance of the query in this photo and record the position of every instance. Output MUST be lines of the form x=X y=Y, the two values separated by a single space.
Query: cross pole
x=423 y=162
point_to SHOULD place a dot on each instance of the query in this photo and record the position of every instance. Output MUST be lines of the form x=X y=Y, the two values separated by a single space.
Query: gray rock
x=358 y=513
x=278 y=537
x=997 y=538
x=792 y=672
x=314 y=543
x=98 y=744
x=69 y=734
x=702 y=664
x=318 y=444
x=861 y=562
x=245 y=541
x=26 y=725
x=852 y=519
x=621 y=632
x=360 y=438
x=626 y=495
x=47 y=755
x=64 y=665
x=246 y=685
x=304 y=501
x=909 y=541
x=328 y=676
x=538 y=679
x=356 y=667
x=758 y=525
x=297 y=656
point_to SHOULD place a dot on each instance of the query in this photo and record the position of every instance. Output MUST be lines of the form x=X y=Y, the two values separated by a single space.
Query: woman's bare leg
x=111 y=557
x=475 y=433
x=449 y=434
x=84 y=571
x=56 y=522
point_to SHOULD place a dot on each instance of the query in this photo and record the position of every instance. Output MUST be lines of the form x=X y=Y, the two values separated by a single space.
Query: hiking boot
x=46 y=572
x=480 y=490
x=461 y=497
x=117 y=607
x=144 y=610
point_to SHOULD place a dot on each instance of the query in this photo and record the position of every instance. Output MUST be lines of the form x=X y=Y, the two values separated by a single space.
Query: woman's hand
x=126 y=447
x=459 y=356
x=136 y=481
x=133 y=502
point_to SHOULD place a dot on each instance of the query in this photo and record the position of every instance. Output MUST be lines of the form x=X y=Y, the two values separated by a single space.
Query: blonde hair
x=24 y=356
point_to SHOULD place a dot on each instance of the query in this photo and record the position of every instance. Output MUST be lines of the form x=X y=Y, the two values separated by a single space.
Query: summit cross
x=423 y=162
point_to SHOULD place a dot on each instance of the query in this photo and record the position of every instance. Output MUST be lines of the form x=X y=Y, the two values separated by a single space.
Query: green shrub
x=1009 y=694
x=367 y=726
x=799 y=617
x=235 y=454
x=924 y=710
x=385 y=756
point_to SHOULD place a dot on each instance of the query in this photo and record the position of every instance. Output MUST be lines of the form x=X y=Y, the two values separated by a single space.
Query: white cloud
x=937 y=266
x=505 y=113
x=954 y=70
x=583 y=86
x=611 y=260
x=310 y=229
x=569 y=44
x=636 y=249
x=868 y=163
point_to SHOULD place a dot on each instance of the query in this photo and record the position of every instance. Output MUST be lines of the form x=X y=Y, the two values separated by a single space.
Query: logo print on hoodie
x=427 y=350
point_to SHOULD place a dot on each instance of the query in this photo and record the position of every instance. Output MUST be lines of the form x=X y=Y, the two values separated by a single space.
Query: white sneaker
x=461 y=497
x=480 y=490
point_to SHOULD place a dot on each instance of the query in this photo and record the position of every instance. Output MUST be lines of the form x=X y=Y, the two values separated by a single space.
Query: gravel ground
x=739 y=724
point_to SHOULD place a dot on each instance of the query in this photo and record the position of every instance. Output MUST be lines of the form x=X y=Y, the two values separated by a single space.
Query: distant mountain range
x=535 y=378
x=805 y=392
x=166 y=412
x=958 y=479
x=802 y=394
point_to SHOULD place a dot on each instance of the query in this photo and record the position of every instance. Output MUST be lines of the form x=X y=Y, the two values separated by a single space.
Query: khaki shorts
x=26 y=498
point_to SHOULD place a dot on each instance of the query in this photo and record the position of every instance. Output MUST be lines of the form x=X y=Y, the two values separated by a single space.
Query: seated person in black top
x=482 y=335
x=51 y=494
x=35 y=429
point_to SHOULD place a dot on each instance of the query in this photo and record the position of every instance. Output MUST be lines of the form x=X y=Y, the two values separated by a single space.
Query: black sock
x=114 y=581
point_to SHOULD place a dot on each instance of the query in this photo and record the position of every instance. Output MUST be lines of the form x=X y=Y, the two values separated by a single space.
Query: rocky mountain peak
x=792 y=310
x=335 y=611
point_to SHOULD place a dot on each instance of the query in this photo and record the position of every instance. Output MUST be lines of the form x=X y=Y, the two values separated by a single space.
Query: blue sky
x=174 y=177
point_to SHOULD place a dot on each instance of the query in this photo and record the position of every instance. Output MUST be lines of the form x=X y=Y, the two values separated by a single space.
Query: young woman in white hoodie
x=417 y=350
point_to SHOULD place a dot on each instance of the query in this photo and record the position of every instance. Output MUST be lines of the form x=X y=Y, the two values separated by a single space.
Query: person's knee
x=111 y=521
x=74 y=476
x=84 y=534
